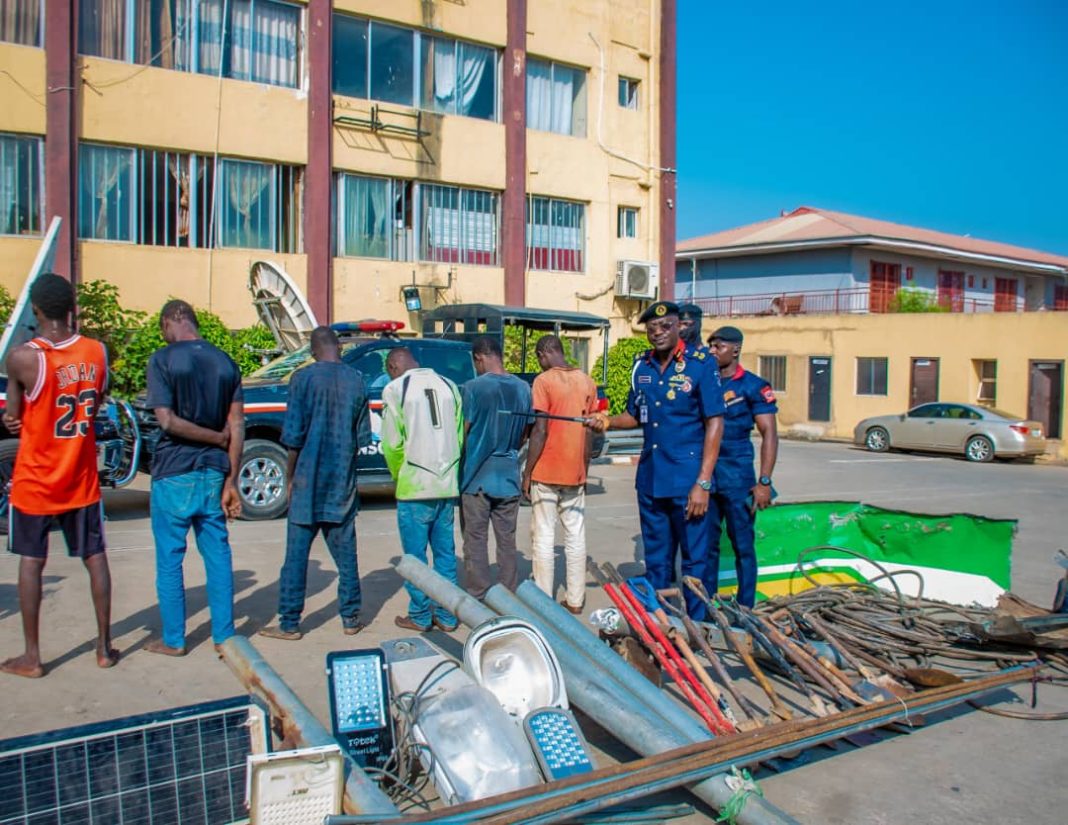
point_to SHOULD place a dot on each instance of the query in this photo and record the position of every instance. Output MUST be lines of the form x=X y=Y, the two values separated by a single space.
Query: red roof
x=808 y=223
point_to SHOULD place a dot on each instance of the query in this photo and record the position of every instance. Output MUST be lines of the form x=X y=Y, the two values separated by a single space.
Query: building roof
x=811 y=227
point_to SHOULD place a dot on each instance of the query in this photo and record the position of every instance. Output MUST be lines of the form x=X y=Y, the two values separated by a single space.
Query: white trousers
x=548 y=503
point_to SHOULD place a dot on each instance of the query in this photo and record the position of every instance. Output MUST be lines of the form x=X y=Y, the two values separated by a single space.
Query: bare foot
x=157 y=646
x=107 y=657
x=23 y=666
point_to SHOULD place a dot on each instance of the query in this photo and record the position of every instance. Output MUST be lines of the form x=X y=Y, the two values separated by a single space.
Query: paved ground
x=968 y=766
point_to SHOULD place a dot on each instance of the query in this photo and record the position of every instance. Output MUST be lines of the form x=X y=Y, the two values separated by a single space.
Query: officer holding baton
x=676 y=398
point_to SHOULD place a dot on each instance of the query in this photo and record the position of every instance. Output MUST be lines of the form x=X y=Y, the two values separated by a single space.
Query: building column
x=61 y=141
x=668 y=179
x=513 y=206
x=318 y=175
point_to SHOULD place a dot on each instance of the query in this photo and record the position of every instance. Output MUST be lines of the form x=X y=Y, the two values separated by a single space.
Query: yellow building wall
x=613 y=164
x=22 y=89
x=957 y=340
x=212 y=279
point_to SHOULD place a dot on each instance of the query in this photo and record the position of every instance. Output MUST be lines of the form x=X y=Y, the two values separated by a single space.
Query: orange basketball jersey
x=55 y=469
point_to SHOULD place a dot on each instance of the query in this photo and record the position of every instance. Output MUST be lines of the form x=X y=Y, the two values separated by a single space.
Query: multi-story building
x=850 y=317
x=502 y=151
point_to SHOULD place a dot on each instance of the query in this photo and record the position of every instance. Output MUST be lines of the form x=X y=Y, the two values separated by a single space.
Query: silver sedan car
x=980 y=433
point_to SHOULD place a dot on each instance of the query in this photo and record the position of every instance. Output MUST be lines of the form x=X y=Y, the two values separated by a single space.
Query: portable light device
x=557 y=743
x=295 y=787
x=412 y=301
x=359 y=705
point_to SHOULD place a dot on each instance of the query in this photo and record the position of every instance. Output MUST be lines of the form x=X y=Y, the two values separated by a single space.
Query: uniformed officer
x=690 y=325
x=676 y=399
x=739 y=493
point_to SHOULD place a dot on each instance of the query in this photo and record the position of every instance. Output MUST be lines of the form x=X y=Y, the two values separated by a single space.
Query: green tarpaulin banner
x=962 y=558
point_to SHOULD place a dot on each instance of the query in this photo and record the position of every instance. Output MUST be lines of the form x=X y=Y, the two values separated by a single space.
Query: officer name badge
x=645 y=379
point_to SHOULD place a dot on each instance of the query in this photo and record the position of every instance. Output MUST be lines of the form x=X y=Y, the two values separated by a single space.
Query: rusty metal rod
x=552 y=802
x=299 y=724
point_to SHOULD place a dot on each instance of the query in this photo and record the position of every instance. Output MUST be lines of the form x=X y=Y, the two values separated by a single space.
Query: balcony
x=857 y=300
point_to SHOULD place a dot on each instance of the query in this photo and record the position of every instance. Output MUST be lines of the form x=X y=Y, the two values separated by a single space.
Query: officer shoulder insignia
x=699 y=354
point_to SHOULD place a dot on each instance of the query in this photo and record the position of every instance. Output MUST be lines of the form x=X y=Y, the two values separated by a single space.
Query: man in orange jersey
x=55 y=384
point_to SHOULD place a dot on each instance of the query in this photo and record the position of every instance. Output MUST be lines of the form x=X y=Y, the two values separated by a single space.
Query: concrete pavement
x=968 y=766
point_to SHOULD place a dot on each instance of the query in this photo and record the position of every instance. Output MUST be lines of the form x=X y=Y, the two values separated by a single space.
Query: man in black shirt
x=195 y=390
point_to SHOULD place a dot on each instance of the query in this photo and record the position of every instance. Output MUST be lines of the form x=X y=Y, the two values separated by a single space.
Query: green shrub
x=620 y=363
x=7 y=303
x=128 y=370
x=513 y=349
x=101 y=316
x=915 y=300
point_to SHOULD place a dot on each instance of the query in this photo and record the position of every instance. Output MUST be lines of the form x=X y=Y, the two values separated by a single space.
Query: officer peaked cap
x=658 y=310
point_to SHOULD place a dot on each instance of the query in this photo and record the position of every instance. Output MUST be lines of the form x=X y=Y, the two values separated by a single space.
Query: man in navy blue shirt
x=675 y=397
x=739 y=493
x=194 y=389
x=326 y=424
x=496 y=423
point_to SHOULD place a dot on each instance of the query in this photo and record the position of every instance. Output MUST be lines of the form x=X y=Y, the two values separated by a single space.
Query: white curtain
x=475 y=61
x=539 y=95
x=562 y=117
x=9 y=175
x=239 y=39
x=246 y=216
x=274 y=50
x=441 y=222
x=209 y=35
x=105 y=206
x=366 y=207
x=441 y=63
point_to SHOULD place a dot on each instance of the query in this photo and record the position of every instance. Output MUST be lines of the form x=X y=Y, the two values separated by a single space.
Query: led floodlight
x=359 y=705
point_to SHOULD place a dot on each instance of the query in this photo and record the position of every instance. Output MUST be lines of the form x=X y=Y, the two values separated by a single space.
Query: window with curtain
x=20 y=21
x=364 y=215
x=459 y=225
x=555 y=235
x=458 y=78
x=256 y=40
x=20 y=185
x=245 y=205
x=556 y=98
x=106 y=182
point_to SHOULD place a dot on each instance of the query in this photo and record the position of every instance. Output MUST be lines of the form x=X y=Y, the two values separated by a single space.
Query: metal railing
x=862 y=300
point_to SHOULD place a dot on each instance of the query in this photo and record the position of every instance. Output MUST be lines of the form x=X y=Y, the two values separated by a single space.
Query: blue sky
x=949 y=115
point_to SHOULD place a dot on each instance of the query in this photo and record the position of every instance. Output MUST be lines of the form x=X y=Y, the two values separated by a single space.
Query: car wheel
x=261 y=481
x=979 y=448
x=877 y=440
x=8 y=448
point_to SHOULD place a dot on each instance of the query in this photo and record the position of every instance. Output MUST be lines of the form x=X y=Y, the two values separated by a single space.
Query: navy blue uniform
x=671 y=407
x=745 y=396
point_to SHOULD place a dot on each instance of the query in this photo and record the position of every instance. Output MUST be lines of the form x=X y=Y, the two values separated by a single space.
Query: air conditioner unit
x=637 y=279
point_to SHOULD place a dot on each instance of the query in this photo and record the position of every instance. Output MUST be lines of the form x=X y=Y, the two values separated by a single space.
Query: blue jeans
x=194 y=500
x=341 y=542
x=666 y=532
x=421 y=522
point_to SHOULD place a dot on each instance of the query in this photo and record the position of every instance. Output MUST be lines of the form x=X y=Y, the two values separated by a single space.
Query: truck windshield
x=282 y=367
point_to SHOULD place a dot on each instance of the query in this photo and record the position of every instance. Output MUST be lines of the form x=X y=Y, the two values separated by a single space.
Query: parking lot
x=967 y=766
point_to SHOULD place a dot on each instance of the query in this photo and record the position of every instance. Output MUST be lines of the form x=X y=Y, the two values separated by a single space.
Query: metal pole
x=570 y=628
x=467 y=609
x=616 y=711
x=299 y=725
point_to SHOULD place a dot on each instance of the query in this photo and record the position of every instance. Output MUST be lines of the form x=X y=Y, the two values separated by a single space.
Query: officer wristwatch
x=705 y=484
x=764 y=481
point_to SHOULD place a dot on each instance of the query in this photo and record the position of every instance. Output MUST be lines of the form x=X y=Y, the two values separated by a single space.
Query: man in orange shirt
x=555 y=475
x=55 y=384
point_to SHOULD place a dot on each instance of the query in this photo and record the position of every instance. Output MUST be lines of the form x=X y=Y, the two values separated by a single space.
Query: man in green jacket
x=422 y=432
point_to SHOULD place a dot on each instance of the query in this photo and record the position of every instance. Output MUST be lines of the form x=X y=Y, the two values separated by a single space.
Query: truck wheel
x=8 y=448
x=261 y=481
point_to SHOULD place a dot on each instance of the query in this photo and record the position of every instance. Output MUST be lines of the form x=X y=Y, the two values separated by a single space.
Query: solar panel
x=184 y=766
